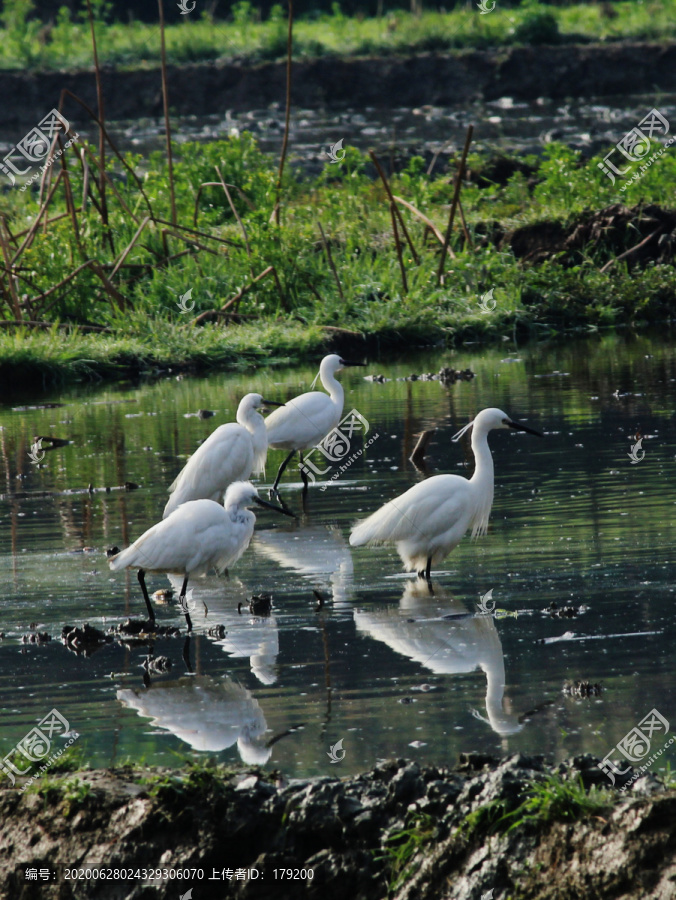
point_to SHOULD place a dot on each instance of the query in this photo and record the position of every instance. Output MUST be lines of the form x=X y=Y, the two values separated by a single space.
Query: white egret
x=196 y=537
x=308 y=418
x=429 y=520
x=230 y=454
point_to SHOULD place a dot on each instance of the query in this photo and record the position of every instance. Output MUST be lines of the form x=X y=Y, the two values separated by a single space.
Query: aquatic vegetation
x=225 y=286
x=202 y=37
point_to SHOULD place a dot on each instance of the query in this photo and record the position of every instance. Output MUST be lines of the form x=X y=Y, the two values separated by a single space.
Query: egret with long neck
x=307 y=419
x=232 y=453
x=429 y=520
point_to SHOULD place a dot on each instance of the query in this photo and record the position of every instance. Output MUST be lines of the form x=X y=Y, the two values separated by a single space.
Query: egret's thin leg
x=303 y=474
x=142 y=581
x=281 y=471
x=428 y=570
x=186 y=655
x=183 y=603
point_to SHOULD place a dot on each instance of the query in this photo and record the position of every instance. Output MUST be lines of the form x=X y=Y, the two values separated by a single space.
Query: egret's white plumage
x=306 y=420
x=429 y=520
x=230 y=454
x=198 y=536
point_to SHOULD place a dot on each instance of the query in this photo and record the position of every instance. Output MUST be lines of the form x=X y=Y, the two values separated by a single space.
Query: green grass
x=542 y=803
x=401 y=847
x=198 y=37
x=290 y=320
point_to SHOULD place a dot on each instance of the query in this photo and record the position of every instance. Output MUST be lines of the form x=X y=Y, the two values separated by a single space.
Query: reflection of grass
x=198 y=37
x=287 y=320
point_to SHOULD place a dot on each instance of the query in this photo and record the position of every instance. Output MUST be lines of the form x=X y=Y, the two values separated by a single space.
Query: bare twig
x=418 y=455
x=423 y=218
x=127 y=249
x=327 y=250
x=456 y=197
x=397 y=243
x=236 y=215
x=390 y=195
x=167 y=123
x=8 y=266
x=631 y=250
x=218 y=184
x=102 y=119
x=287 y=116
x=238 y=296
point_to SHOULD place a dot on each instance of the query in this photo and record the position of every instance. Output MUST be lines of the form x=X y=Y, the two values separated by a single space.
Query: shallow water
x=384 y=667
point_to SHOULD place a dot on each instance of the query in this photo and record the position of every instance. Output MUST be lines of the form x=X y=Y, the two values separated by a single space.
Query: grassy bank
x=330 y=271
x=64 y=42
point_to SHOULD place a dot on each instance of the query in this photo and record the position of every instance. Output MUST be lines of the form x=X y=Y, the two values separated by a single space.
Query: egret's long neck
x=483 y=459
x=333 y=386
x=255 y=425
x=481 y=481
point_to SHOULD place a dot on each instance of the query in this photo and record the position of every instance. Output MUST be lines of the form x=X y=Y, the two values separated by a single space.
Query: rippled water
x=384 y=667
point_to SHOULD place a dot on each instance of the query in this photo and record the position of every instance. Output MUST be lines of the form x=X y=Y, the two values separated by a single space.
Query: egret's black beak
x=347 y=362
x=278 y=509
x=271 y=403
x=519 y=427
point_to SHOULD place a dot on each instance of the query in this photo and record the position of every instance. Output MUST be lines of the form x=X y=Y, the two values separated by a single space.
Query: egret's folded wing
x=225 y=456
x=419 y=510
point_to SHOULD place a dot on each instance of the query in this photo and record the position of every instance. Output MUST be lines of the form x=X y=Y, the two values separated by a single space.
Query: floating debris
x=141 y=629
x=377 y=379
x=564 y=612
x=164 y=595
x=418 y=744
x=85 y=640
x=217 y=631
x=259 y=605
x=35 y=637
x=158 y=665
x=582 y=688
x=446 y=375
x=205 y=413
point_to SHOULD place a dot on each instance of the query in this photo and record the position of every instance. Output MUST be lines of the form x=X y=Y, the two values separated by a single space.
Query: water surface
x=385 y=667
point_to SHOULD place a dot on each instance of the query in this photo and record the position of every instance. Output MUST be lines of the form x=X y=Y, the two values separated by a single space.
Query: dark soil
x=344 y=830
x=448 y=79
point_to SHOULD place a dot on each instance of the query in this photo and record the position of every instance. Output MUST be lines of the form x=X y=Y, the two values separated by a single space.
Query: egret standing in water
x=308 y=418
x=196 y=537
x=230 y=454
x=429 y=520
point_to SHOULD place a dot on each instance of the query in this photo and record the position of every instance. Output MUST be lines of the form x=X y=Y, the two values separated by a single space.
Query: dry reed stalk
x=397 y=243
x=236 y=215
x=287 y=116
x=102 y=119
x=167 y=123
x=8 y=269
x=327 y=250
x=390 y=195
x=456 y=197
x=217 y=184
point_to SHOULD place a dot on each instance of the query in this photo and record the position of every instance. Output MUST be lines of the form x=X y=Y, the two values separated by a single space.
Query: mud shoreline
x=524 y=73
x=343 y=830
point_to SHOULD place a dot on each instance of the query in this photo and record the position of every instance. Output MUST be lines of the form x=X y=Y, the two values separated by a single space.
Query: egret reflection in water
x=246 y=636
x=209 y=714
x=437 y=631
x=318 y=553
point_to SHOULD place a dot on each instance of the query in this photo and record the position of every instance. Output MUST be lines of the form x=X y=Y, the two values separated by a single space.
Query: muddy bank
x=449 y=79
x=344 y=831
